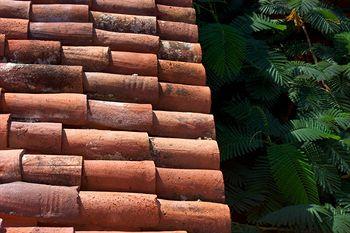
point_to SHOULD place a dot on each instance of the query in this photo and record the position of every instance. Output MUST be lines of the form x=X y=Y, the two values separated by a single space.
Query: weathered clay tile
x=177 y=31
x=40 y=230
x=132 y=7
x=176 y=14
x=18 y=221
x=131 y=232
x=80 y=2
x=119 y=176
x=92 y=58
x=41 y=78
x=119 y=209
x=67 y=33
x=14 y=28
x=190 y=184
x=2 y=45
x=124 y=23
x=184 y=98
x=33 y=51
x=4 y=130
x=70 y=109
x=125 y=88
x=56 y=203
x=37 y=137
x=52 y=169
x=10 y=165
x=186 y=153
x=144 y=64
x=194 y=216
x=15 y=9
x=181 y=72
x=180 y=51
x=119 y=116
x=59 y=13
x=182 y=3
x=128 y=42
x=183 y=125
x=106 y=145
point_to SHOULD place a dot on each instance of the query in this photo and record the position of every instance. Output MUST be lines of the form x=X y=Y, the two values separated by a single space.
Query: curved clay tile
x=59 y=13
x=176 y=14
x=4 y=129
x=41 y=78
x=10 y=166
x=132 y=7
x=14 y=28
x=15 y=9
x=33 y=51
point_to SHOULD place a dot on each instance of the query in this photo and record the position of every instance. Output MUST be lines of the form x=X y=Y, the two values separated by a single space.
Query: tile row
x=63 y=206
x=51 y=138
x=116 y=176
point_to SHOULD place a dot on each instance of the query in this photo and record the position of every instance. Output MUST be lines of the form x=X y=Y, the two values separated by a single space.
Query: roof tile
x=15 y=9
x=33 y=51
x=66 y=32
x=176 y=14
x=14 y=28
x=40 y=78
x=36 y=137
x=132 y=7
x=129 y=42
x=178 y=31
x=4 y=130
x=39 y=230
x=180 y=51
x=83 y=2
x=10 y=166
x=59 y=13
x=182 y=3
x=2 y=45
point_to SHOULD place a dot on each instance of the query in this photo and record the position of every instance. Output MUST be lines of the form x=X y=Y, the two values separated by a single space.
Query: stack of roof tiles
x=105 y=120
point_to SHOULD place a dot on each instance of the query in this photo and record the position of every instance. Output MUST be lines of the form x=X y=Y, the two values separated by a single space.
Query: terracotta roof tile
x=73 y=73
x=59 y=13
x=15 y=9
x=14 y=28
x=133 y=7
x=66 y=32
x=176 y=14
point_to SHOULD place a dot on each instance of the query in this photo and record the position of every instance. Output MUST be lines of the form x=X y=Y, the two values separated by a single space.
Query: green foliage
x=280 y=75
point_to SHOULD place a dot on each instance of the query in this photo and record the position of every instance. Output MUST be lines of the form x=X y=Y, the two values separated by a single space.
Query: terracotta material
x=4 y=130
x=33 y=51
x=106 y=145
x=177 y=31
x=10 y=166
x=39 y=230
x=80 y=2
x=186 y=153
x=119 y=116
x=132 y=7
x=37 y=137
x=181 y=72
x=187 y=184
x=180 y=51
x=67 y=33
x=176 y=14
x=129 y=42
x=60 y=13
x=52 y=169
x=131 y=232
x=70 y=109
x=119 y=209
x=183 y=125
x=133 y=63
x=184 y=98
x=124 y=23
x=17 y=221
x=119 y=176
x=38 y=78
x=14 y=28
x=15 y=9
x=183 y=3
x=126 y=88
x=57 y=203
x=2 y=45
x=194 y=216
x=92 y=58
